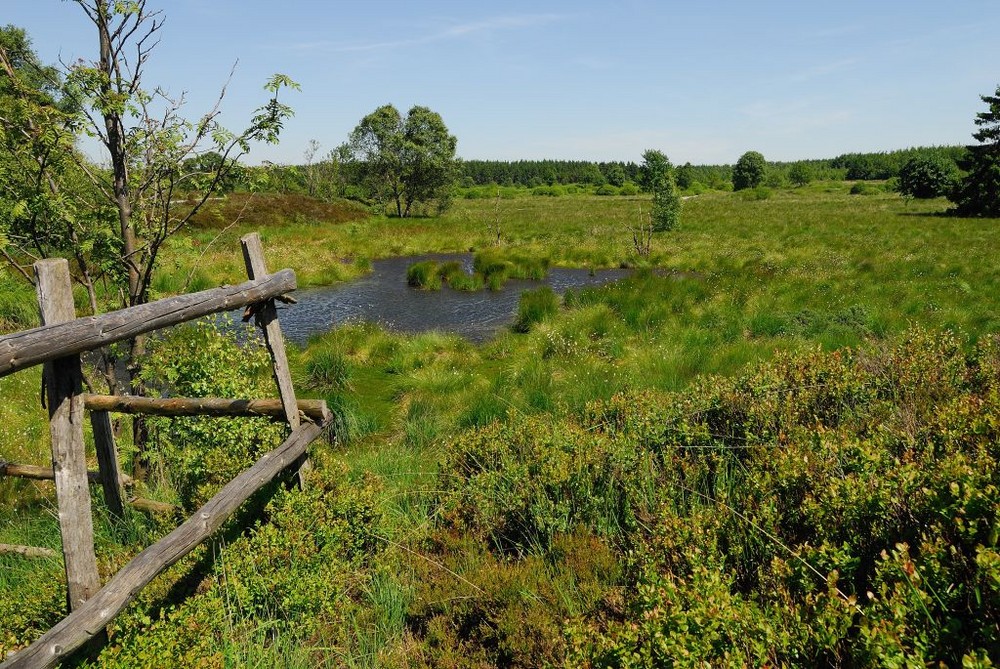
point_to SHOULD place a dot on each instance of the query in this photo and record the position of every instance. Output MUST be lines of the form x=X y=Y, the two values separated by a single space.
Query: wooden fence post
x=267 y=318
x=63 y=384
x=107 y=462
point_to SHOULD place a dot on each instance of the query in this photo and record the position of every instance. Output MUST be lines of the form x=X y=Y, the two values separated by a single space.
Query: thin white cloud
x=822 y=70
x=794 y=117
x=452 y=32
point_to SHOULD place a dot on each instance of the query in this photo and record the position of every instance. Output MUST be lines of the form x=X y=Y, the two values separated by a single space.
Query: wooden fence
x=57 y=345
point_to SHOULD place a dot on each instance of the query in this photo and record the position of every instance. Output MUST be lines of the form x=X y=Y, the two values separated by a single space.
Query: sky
x=584 y=80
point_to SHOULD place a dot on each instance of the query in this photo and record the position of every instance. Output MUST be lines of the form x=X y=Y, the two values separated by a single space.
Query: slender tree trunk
x=119 y=162
x=116 y=147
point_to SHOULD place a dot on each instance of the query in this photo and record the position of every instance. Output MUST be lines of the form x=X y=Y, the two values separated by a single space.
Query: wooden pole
x=107 y=462
x=314 y=410
x=64 y=387
x=40 y=473
x=28 y=551
x=267 y=318
x=31 y=347
x=81 y=625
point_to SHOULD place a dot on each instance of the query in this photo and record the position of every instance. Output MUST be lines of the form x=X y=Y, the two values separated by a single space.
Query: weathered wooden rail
x=57 y=344
x=32 y=347
x=314 y=410
x=90 y=618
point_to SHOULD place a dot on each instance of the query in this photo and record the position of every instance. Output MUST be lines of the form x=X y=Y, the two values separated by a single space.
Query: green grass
x=745 y=279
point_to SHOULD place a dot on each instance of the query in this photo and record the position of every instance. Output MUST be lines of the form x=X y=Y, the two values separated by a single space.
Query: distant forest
x=849 y=166
x=328 y=178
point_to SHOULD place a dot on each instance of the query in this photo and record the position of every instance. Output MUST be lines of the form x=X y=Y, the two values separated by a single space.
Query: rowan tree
x=111 y=221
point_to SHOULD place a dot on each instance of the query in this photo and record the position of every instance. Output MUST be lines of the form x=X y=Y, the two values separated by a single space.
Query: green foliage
x=800 y=174
x=885 y=165
x=18 y=304
x=749 y=171
x=531 y=173
x=615 y=174
x=424 y=275
x=550 y=191
x=756 y=193
x=505 y=613
x=684 y=176
x=407 y=161
x=862 y=188
x=657 y=178
x=822 y=508
x=978 y=193
x=495 y=267
x=200 y=454
x=290 y=578
x=924 y=178
x=533 y=307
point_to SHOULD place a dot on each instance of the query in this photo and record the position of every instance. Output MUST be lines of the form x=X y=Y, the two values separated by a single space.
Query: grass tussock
x=774 y=444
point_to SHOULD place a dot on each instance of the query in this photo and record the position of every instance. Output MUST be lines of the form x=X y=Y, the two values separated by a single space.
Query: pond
x=384 y=297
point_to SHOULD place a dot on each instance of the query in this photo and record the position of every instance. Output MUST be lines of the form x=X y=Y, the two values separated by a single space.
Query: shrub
x=292 y=576
x=629 y=188
x=824 y=508
x=200 y=454
x=756 y=193
x=606 y=189
x=800 y=174
x=926 y=177
x=550 y=191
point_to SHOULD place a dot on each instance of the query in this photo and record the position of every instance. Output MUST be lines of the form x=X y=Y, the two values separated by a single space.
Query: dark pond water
x=383 y=297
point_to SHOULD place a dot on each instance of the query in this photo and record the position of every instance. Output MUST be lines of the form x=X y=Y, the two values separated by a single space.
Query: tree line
x=333 y=176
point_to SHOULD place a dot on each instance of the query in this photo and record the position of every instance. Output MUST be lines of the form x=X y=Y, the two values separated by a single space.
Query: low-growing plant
x=424 y=275
x=200 y=454
x=863 y=188
x=533 y=307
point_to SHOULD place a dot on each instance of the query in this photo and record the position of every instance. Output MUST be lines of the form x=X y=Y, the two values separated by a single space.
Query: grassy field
x=518 y=503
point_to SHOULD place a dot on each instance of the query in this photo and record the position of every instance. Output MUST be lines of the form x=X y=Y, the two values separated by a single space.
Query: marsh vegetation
x=770 y=443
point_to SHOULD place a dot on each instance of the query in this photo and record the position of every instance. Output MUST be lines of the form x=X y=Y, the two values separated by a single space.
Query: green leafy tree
x=39 y=215
x=657 y=177
x=800 y=174
x=684 y=176
x=978 y=194
x=615 y=174
x=404 y=161
x=926 y=177
x=115 y=220
x=749 y=171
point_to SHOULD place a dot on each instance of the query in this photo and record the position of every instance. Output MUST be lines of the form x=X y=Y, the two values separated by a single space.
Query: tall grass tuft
x=424 y=275
x=534 y=307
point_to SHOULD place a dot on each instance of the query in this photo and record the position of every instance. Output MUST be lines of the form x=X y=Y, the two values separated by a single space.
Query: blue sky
x=701 y=81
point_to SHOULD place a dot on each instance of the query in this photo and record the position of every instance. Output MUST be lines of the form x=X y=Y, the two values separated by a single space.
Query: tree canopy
x=925 y=177
x=110 y=220
x=749 y=171
x=978 y=194
x=404 y=161
x=657 y=177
